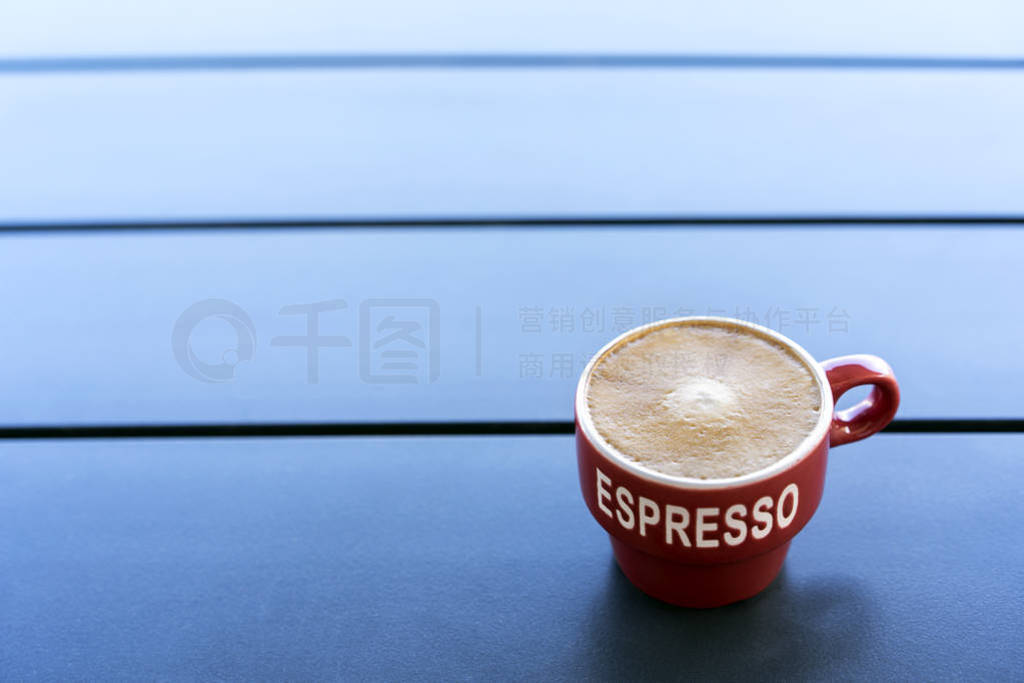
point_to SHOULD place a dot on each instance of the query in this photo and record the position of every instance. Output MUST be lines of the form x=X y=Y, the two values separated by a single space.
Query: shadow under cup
x=710 y=542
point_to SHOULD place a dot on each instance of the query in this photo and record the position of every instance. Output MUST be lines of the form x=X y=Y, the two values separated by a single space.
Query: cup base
x=699 y=585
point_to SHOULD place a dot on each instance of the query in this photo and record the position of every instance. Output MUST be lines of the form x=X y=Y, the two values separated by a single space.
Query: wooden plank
x=118 y=27
x=90 y=319
x=510 y=143
x=475 y=558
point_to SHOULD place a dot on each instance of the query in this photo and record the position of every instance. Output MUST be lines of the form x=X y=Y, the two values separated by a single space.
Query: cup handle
x=873 y=413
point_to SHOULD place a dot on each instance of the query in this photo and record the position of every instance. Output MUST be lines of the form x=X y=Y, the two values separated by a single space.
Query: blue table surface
x=372 y=143
x=518 y=313
x=122 y=28
x=475 y=558
x=465 y=557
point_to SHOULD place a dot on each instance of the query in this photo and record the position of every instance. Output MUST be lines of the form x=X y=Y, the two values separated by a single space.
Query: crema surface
x=703 y=400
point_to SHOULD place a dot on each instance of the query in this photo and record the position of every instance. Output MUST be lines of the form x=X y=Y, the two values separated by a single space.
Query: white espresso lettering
x=782 y=519
x=676 y=520
x=649 y=514
x=761 y=514
x=734 y=520
x=625 y=500
x=602 y=492
x=705 y=527
x=738 y=522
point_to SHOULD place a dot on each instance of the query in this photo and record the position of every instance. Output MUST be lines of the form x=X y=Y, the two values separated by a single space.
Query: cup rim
x=805 y=448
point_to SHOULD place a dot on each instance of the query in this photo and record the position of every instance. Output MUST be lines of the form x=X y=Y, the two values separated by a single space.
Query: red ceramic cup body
x=705 y=543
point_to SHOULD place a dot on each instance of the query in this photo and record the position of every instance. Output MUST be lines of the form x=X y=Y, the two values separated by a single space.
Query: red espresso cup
x=709 y=542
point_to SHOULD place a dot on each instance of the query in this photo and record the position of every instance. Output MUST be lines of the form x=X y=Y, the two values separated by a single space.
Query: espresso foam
x=703 y=400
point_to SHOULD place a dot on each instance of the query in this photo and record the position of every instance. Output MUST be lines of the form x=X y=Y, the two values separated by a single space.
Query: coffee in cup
x=706 y=400
x=702 y=443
